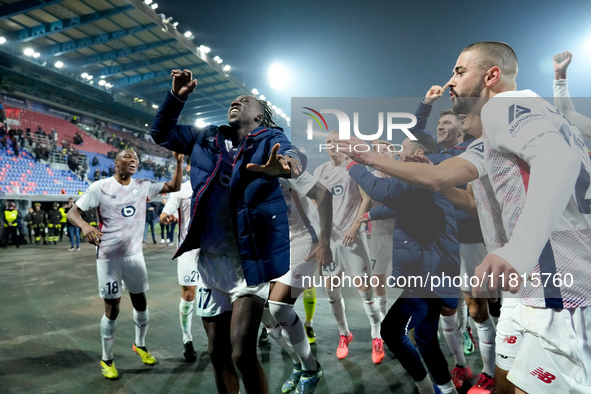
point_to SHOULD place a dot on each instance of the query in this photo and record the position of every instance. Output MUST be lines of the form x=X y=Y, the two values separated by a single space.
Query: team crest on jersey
x=135 y=192
x=128 y=211
x=337 y=190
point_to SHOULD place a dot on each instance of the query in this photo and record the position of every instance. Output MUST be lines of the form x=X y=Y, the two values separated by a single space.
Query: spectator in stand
x=111 y=171
x=97 y=175
x=104 y=173
x=95 y=161
x=54 y=135
x=39 y=130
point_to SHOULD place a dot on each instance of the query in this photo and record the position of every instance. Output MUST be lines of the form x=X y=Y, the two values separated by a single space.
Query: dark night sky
x=383 y=48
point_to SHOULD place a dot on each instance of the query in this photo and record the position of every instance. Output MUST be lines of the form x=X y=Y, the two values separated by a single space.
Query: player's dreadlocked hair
x=268 y=116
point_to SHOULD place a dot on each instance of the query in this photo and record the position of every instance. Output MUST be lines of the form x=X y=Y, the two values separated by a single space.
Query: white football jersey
x=297 y=225
x=179 y=205
x=345 y=196
x=510 y=121
x=122 y=214
x=489 y=210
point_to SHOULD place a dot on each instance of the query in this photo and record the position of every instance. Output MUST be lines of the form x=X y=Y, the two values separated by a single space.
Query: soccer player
x=528 y=145
x=239 y=222
x=349 y=248
x=178 y=209
x=308 y=250
x=121 y=201
x=562 y=99
x=472 y=252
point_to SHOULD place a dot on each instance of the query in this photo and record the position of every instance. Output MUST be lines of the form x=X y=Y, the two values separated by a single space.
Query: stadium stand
x=25 y=175
x=66 y=130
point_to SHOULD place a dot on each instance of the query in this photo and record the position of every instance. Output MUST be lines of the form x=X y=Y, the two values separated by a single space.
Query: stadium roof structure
x=119 y=47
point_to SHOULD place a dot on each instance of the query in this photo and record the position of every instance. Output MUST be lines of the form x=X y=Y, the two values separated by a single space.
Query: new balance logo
x=515 y=111
x=509 y=339
x=545 y=377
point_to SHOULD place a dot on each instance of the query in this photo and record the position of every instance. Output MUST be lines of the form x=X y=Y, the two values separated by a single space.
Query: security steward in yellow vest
x=11 y=219
x=54 y=218
x=64 y=219
x=39 y=224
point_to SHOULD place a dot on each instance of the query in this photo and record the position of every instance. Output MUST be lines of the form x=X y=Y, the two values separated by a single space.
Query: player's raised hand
x=183 y=83
x=276 y=165
x=560 y=61
x=351 y=148
x=92 y=235
x=179 y=157
x=434 y=92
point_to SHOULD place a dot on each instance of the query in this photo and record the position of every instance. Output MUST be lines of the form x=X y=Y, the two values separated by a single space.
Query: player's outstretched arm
x=450 y=172
x=562 y=99
x=323 y=199
x=177 y=179
x=92 y=234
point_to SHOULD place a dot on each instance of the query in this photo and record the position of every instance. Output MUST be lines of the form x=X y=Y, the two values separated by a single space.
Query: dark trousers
x=422 y=314
x=11 y=231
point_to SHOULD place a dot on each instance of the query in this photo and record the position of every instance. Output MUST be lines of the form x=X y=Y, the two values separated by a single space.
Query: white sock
x=141 y=320
x=453 y=337
x=274 y=331
x=108 y=337
x=372 y=310
x=337 y=306
x=448 y=388
x=425 y=386
x=293 y=332
x=186 y=316
x=383 y=305
x=463 y=314
x=486 y=339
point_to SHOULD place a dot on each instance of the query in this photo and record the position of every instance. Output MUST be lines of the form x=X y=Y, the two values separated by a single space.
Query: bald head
x=495 y=53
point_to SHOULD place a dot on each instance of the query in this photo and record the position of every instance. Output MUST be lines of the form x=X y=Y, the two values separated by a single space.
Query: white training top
x=543 y=238
x=345 y=196
x=122 y=214
x=179 y=205
x=297 y=225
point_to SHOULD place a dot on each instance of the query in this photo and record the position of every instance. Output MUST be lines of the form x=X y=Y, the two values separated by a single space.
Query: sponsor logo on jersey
x=544 y=376
x=515 y=111
x=337 y=190
x=519 y=116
